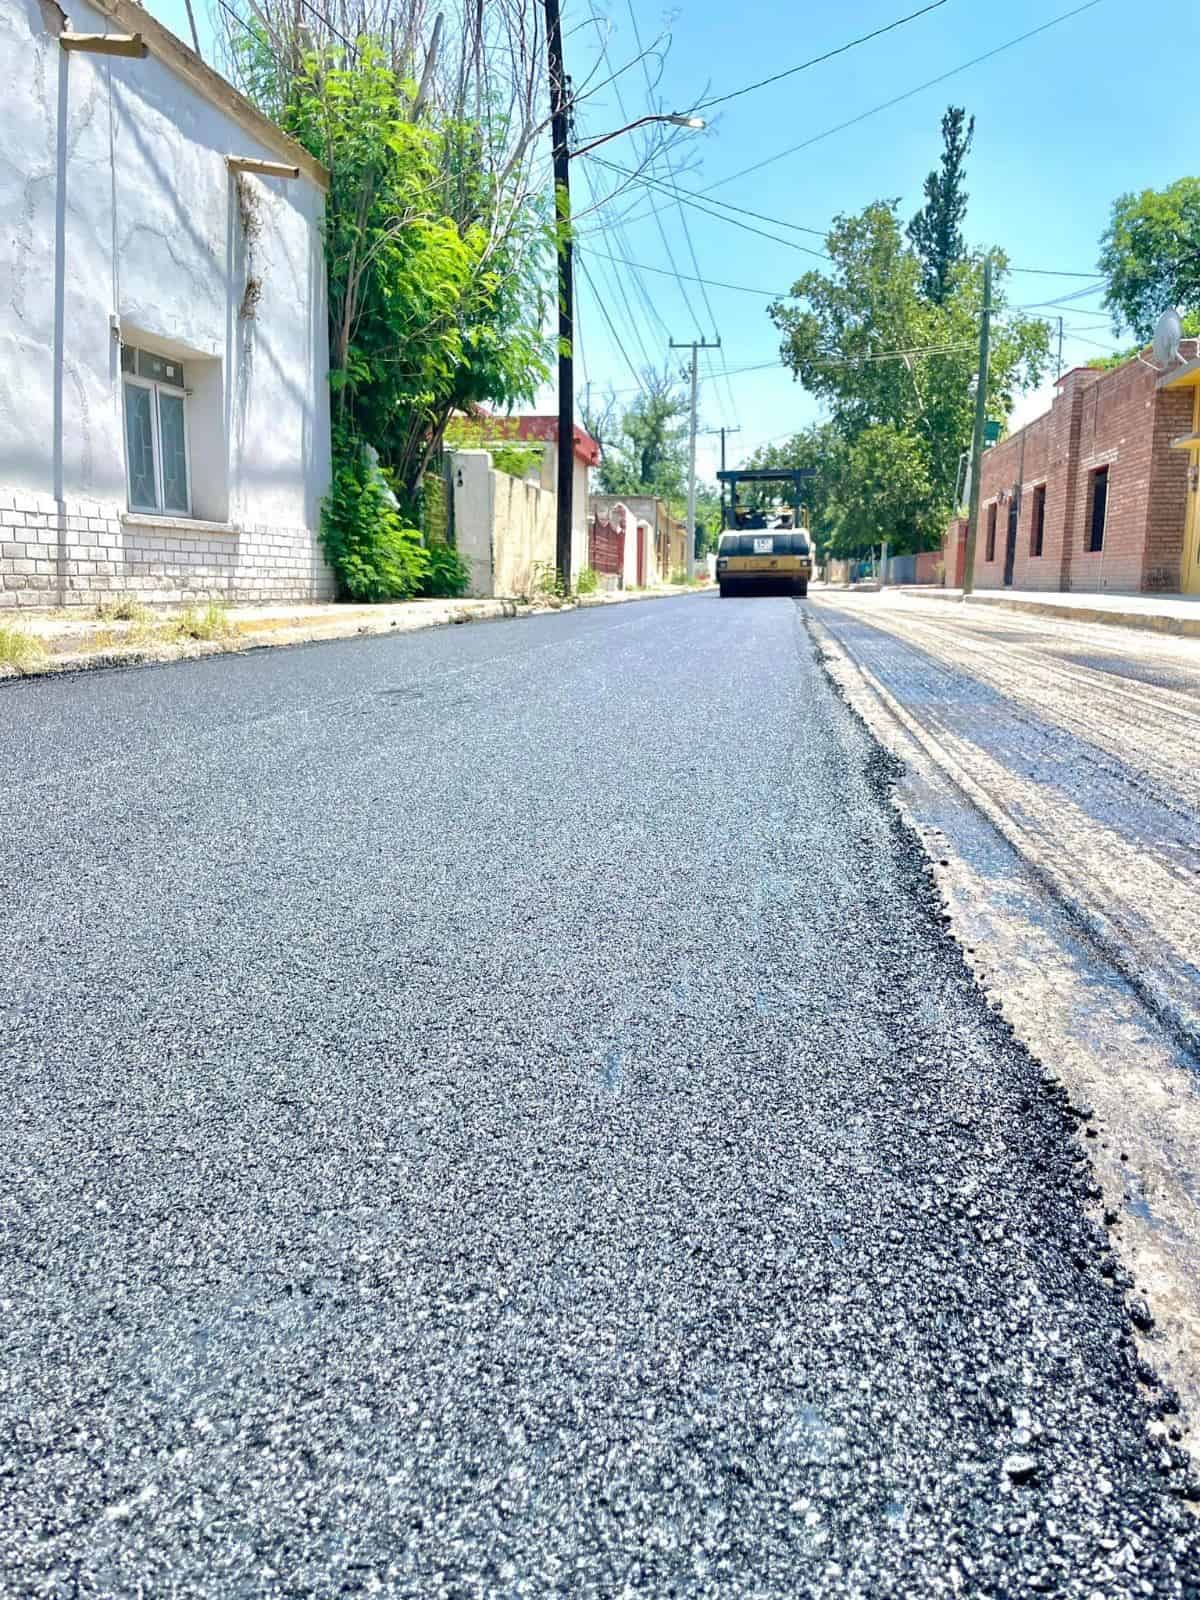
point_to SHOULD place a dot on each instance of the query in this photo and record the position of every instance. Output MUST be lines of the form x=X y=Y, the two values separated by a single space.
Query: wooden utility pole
x=695 y=346
x=560 y=135
x=985 y=330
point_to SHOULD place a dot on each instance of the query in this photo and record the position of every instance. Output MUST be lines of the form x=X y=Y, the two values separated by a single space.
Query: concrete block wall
x=130 y=232
x=504 y=527
x=84 y=553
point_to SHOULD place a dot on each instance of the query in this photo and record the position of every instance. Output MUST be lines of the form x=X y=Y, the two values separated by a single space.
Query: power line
x=705 y=207
x=725 y=205
x=604 y=313
x=618 y=228
x=815 y=61
x=713 y=283
x=1050 y=272
x=623 y=295
x=908 y=94
x=850 y=361
x=796 y=227
x=1063 y=300
x=652 y=158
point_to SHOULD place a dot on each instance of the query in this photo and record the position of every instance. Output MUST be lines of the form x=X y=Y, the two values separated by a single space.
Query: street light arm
x=675 y=117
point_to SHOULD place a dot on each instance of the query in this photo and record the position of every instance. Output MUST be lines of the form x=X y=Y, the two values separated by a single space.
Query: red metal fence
x=607 y=548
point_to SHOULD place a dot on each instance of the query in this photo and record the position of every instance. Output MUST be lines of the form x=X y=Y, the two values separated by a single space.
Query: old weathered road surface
x=499 y=1113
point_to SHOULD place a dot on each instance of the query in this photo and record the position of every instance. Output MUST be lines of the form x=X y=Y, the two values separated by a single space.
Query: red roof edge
x=540 y=427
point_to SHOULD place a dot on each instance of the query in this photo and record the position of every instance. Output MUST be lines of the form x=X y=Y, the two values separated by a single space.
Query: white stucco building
x=164 y=418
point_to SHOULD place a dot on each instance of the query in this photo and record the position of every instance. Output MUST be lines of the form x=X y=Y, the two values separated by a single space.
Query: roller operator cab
x=764 y=561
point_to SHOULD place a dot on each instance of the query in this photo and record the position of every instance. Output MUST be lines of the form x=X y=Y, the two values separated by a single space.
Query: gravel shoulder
x=499 y=1112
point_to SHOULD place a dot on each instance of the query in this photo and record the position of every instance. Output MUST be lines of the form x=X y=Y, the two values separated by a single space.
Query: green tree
x=1150 y=255
x=882 y=492
x=820 y=449
x=935 y=233
x=436 y=256
x=1191 y=329
x=865 y=339
x=646 y=453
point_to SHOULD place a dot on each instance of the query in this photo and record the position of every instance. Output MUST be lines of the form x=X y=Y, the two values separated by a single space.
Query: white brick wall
x=89 y=552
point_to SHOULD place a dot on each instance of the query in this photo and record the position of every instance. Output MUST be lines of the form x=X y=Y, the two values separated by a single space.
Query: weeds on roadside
x=19 y=649
x=123 y=609
x=588 y=581
x=210 y=622
x=546 y=582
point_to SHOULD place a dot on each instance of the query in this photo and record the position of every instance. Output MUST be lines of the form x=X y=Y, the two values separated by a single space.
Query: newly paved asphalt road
x=497 y=1113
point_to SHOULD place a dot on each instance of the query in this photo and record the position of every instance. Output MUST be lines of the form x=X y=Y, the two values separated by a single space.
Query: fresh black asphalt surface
x=498 y=1113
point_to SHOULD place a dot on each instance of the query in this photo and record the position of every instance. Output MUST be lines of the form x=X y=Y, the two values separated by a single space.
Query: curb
x=283 y=633
x=1144 y=621
x=1181 y=1021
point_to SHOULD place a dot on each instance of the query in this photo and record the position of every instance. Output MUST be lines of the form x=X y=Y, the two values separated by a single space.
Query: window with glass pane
x=156 y=433
x=139 y=446
x=174 y=451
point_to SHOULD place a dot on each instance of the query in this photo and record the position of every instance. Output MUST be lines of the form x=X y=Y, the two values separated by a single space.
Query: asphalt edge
x=1140 y=621
x=329 y=631
x=1182 y=1025
x=850 y=680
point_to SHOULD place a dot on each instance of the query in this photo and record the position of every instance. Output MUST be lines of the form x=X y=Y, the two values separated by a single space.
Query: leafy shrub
x=588 y=581
x=375 y=555
x=516 y=459
x=448 y=574
x=679 y=575
x=545 y=580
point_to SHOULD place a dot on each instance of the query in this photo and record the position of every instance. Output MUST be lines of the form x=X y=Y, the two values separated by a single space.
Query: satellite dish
x=1167 y=335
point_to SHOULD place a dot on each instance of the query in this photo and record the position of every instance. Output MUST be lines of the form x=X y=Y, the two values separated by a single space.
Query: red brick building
x=1099 y=493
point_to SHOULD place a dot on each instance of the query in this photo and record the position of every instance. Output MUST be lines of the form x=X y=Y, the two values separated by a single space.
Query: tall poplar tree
x=935 y=233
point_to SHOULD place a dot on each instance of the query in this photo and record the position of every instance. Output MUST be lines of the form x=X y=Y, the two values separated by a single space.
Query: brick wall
x=1120 y=420
x=954 y=550
x=1166 y=519
x=89 y=552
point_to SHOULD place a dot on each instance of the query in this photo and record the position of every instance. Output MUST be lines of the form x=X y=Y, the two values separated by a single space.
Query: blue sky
x=1099 y=104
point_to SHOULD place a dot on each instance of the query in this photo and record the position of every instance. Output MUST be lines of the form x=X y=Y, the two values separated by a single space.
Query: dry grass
x=208 y=622
x=124 y=609
x=19 y=649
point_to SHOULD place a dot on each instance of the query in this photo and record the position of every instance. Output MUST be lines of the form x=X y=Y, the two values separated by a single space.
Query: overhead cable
x=886 y=105
x=815 y=61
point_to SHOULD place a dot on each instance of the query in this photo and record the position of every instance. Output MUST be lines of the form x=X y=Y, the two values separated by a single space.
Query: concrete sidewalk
x=1172 y=613
x=36 y=642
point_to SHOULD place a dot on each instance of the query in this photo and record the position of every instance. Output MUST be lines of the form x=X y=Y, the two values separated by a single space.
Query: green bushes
x=448 y=573
x=588 y=581
x=374 y=551
x=374 y=554
x=518 y=460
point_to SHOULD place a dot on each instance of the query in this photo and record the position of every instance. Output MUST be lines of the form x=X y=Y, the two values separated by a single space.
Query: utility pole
x=985 y=333
x=722 y=432
x=560 y=136
x=1058 y=374
x=695 y=346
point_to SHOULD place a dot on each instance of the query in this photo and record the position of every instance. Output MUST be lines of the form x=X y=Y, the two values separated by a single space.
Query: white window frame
x=153 y=384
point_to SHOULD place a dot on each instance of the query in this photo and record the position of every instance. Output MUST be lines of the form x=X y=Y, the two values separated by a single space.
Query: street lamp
x=560 y=133
x=677 y=119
